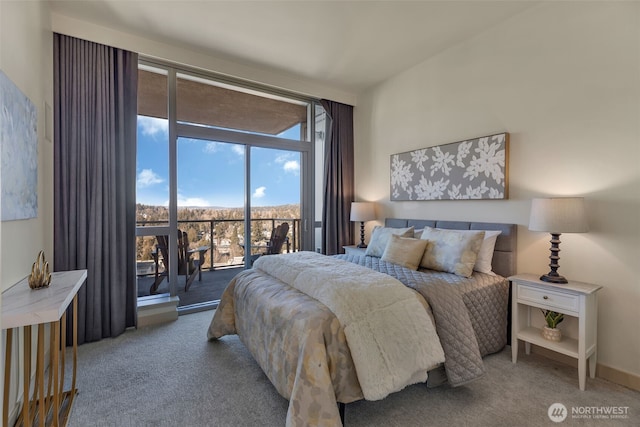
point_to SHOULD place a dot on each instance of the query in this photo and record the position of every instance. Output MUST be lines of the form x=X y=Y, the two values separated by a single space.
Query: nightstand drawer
x=548 y=298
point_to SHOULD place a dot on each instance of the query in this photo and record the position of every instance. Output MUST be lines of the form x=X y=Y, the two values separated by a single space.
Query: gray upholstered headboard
x=504 y=254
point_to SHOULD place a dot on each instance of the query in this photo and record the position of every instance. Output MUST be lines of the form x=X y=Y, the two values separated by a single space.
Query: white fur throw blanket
x=391 y=337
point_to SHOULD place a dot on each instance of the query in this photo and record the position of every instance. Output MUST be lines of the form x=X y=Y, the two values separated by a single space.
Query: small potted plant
x=550 y=331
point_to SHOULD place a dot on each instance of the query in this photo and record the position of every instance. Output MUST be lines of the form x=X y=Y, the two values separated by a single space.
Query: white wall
x=26 y=56
x=563 y=79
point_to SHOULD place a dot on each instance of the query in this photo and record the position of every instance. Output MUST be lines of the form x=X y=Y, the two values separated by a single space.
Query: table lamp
x=362 y=211
x=556 y=216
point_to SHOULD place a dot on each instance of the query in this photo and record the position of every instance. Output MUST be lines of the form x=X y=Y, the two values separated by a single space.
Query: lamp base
x=362 y=245
x=553 y=278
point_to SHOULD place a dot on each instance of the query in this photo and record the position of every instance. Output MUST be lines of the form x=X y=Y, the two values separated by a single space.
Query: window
x=226 y=162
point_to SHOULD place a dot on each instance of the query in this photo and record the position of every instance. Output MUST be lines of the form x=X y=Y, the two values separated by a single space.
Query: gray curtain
x=338 y=178
x=95 y=113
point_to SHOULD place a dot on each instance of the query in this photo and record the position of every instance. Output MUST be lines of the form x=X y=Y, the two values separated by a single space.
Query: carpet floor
x=170 y=375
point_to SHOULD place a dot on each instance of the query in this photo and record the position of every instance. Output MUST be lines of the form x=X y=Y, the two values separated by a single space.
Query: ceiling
x=350 y=45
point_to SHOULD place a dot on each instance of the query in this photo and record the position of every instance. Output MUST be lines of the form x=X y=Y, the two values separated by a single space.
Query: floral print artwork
x=471 y=169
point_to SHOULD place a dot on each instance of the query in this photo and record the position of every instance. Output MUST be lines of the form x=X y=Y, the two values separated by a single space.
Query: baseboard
x=157 y=309
x=618 y=376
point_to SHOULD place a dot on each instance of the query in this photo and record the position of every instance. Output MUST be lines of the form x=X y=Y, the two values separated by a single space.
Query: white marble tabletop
x=22 y=306
x=572 y=285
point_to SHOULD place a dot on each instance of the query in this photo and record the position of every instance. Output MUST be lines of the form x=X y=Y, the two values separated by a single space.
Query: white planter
x=551 y=334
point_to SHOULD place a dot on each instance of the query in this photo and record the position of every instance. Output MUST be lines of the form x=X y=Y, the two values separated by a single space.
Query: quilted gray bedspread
x=470 y=314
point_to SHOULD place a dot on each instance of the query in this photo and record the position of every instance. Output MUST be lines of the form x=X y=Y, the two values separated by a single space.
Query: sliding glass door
x=210 y=214
x=236 y=163
x=275 y=198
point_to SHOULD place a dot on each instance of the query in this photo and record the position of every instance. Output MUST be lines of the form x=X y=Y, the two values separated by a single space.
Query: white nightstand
x=575 y=299
x=354 y=250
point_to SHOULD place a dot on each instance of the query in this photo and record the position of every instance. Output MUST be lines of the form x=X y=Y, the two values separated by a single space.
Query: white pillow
x=453 y=251
x=404 y=251
x=485 y=254
x=380 y=238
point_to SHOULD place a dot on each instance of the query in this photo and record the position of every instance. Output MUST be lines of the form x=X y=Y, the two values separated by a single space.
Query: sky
x=212 y=173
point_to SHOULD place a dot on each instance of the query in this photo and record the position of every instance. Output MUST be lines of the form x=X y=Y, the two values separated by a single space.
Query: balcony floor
x=210 y=288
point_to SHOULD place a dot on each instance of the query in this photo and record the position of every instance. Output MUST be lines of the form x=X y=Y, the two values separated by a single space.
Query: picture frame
x=18 y=153
x=473 y=169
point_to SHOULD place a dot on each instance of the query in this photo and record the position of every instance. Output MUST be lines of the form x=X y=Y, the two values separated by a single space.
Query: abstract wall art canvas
x=18 y=153
x=473 y=169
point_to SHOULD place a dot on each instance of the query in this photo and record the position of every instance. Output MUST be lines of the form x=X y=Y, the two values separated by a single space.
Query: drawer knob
x=545 y=297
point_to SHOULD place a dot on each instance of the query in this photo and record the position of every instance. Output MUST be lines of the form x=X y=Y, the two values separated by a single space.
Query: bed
x=315 y=341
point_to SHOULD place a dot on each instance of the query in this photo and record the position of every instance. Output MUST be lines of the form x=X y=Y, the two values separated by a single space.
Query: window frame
x=306 y=148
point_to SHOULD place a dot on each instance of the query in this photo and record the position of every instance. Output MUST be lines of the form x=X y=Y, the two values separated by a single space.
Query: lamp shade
x=362 y=211
x=558 y=215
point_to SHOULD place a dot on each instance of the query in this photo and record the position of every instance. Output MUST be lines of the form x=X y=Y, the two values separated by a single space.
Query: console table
x=25 y=307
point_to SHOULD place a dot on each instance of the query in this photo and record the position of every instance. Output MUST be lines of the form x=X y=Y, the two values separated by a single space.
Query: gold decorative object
x=40 y=277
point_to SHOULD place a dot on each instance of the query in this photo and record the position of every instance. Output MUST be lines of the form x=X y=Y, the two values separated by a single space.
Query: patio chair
x=278 y=238
x=274 y=245
x=187 y=264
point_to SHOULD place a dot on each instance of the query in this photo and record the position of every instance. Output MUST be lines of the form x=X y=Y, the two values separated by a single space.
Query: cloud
x=152 y=126
x=282 y=158
x=259 y=193
x=238 y=149
x=191 y=201
x=211 y=147
x=148 y=177
x=292 y=166
x=289 y=163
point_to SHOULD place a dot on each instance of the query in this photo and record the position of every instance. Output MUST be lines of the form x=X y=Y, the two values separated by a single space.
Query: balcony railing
x=225 y=237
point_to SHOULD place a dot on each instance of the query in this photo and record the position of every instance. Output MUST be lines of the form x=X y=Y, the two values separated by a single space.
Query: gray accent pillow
x=452 y=251
x=380 y=238
x=404 y=251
